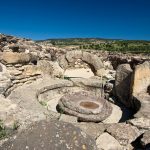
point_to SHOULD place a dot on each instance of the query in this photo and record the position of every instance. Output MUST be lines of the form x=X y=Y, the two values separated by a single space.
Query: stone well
x=86 y=106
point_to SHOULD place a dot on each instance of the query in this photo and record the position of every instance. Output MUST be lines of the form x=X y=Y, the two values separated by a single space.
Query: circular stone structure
x=86 y=106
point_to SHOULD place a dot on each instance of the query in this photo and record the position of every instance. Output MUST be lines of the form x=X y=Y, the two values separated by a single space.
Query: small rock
x=141 y=123
x=145 y=141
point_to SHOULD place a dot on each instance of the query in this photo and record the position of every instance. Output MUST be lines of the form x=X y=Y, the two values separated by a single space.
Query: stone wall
x=141 y=79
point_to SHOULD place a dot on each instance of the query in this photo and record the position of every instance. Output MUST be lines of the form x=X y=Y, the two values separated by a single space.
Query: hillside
x=134 y=46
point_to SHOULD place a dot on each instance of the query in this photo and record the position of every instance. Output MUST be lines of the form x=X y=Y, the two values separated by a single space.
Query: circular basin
x=86 y=106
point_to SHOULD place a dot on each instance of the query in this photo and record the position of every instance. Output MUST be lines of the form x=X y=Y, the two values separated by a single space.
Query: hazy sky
x=42 y=19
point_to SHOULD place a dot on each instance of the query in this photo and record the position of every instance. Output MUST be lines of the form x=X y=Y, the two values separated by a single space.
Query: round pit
x=89 y=105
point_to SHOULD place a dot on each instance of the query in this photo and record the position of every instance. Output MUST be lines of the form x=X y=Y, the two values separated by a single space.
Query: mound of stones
x=132 y=89
x=86 y=106
x=80 y=100
x=92 y=60
x=53 y=135
x=24 y=61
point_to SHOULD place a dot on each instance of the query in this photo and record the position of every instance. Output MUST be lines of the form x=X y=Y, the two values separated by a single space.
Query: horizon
x=64 y=19
x=64 y=38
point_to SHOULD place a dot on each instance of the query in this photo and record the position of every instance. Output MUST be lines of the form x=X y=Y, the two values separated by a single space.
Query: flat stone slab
x=92 y=129
x=123 y=133
x=52 y=135
x=140 y=123
x=86 y=106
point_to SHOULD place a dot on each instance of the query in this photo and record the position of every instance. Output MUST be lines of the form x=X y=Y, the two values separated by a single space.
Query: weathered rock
x=118 y=60
x=145 y=141
x=124 y=133
x=71 y=56
x=90 y=82
x=5 y=81
x=108 y=65
x=57 y=71
x=86 y=106
x=115 y=116
x=63 y=62
x=141 y=79
x=107 y=142
x=122 y=84
x=69 y=119
x=45 y=67
x=1 y=68
x=108 y=87
x=7 y=112
x=94 y=61
x=30 y=70
x=14 y=44
x=140 y=123
x=142 y=105
x=51 y=135
x=4 y=85
x=15 y=58
x=92 y=129
x=141 y=97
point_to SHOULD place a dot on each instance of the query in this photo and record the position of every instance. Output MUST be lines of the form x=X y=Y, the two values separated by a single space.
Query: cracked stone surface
x=107 y=142
x=26 y=99
x=124 y=133
x=53 y=135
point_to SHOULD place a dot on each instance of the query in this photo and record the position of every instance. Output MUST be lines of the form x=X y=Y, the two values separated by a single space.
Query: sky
x=44 y=19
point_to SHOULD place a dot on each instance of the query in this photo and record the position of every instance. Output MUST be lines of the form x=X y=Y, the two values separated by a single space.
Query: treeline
x=121 y=46
x=135 y=46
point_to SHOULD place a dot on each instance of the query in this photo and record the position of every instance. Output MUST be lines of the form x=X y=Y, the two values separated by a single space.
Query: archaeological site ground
x=75 y=94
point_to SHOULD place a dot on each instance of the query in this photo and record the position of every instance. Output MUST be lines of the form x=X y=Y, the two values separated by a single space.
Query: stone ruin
x=85 y=106
x=136 y=83
x=92 y=60
x=33 y=88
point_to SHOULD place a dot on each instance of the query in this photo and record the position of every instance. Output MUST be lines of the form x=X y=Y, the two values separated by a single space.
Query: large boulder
x=63 y=62
x=15 y=58
x=94 y=61
x=122 y=84
x=141 y=80
x=141 y=96
x=52 y=135
x=71 y=56
x=124 y=133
